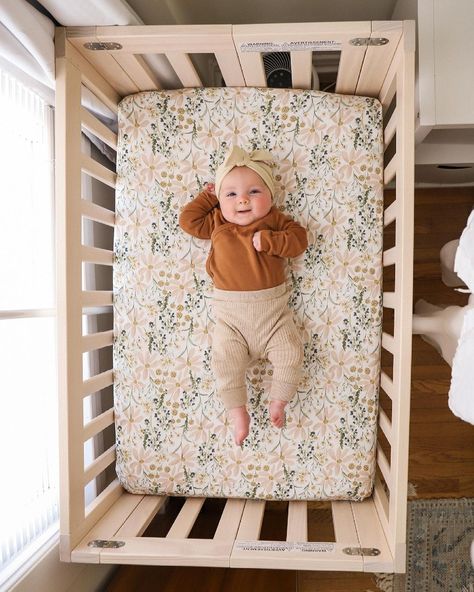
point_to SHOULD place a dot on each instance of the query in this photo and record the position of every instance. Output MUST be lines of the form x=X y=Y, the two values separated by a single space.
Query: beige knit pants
x=250 y=326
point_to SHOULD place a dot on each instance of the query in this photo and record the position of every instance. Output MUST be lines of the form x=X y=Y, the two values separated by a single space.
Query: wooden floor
x=441 y=446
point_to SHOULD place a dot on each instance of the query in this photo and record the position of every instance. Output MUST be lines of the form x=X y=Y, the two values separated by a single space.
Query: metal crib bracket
x=104 y=544
x=364 y=551
x=102 y=45
x=369 y=41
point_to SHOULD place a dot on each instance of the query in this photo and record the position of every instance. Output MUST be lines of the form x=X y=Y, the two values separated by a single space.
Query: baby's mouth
x=243 y=211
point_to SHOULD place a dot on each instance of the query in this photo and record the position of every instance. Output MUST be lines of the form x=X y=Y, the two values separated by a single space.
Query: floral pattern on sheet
x=171 y=430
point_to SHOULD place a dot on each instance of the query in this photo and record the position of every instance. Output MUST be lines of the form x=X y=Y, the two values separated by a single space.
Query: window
x=28 y=388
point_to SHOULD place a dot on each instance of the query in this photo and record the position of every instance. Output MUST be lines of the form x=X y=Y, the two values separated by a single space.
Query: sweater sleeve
x=197 y=217
x=288 y=240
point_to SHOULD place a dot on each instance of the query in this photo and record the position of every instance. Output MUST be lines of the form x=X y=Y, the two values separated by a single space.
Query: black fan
x=277 y=69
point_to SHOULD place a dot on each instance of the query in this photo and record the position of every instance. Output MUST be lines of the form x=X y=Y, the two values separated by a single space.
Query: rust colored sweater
x=233 y=262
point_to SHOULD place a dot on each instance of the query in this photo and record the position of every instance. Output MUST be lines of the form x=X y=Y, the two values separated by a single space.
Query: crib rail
x=398 y=106
x=76 y=301
x=378 y=523
x=366 y=52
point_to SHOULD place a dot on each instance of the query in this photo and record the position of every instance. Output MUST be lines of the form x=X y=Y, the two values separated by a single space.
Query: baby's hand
x=210 y=187
x=257 y=241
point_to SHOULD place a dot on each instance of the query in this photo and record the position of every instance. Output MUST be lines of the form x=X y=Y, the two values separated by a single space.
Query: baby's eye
x=255 y=191
x=230 y=194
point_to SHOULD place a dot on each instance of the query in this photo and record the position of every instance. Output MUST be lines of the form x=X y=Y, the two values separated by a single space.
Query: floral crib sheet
x=171 y=430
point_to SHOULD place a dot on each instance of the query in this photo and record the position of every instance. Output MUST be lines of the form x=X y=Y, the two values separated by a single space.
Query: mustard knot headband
x=258 y=160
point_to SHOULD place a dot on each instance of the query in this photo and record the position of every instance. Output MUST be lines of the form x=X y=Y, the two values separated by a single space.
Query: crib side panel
x=86 y=458
x=68 y=180
x=138 y=58
x=390 y=494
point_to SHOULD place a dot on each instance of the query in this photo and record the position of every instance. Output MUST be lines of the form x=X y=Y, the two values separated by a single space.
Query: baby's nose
x=244 y=200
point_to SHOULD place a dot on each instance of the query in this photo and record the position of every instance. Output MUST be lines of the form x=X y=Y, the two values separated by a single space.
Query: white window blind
x=28 y=389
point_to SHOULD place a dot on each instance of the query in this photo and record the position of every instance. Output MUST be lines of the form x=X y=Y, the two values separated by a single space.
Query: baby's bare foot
x=277 y=412
x=241 y=422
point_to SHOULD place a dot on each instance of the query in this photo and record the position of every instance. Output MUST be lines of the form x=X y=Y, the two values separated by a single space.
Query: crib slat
x=230 y=520
x=97 y=383
x=98 y=213
x=251 y=522
x=106 y=498
x=349 y=68
x=253 y=69
x=384 y=467
x=390 y=213
x=371 y=535
x=97 y=340
x=229 y=66
x=297 y=529
x=389 y=86
x=96 y=298
x=343 y=523
x=387 y=384
x=390 y=257
x=141 y=517
x=386 y=425
x=99 y=464
x=381 y=502
x=184 y=68
x=106 y=527
x=389 y=300
x=390 y=128
x=388 y=342
x=97 y=256
x=138 y=70
x=96 y=127
x=98 y=424
x=390 y=170
x=301 y=70
x=98 y=171
x=185 y=520
x=378 y=57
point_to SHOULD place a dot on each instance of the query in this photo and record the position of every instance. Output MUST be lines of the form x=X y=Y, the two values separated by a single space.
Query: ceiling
x=197 y=12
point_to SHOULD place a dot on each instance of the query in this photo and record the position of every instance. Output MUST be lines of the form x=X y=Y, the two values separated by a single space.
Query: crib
x=376 y=60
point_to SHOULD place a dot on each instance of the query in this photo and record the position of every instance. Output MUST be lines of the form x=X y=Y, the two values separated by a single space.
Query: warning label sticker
x=284 y=547
x=269 y=46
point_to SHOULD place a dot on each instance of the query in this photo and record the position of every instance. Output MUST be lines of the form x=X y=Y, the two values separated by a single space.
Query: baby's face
x=244 y=197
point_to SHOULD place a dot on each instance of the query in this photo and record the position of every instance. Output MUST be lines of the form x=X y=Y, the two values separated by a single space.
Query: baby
x=250 y=239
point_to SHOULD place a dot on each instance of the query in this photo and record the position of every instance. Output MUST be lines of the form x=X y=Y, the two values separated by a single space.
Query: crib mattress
x=171 y=429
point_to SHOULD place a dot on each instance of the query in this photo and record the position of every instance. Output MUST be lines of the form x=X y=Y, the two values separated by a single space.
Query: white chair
x=450 y=330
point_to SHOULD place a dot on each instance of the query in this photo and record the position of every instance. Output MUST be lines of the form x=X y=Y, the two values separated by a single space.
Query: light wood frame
x=379 y=523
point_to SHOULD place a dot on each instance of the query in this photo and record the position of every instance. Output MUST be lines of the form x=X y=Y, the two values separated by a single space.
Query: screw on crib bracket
x=369 y=551
x=101 y=45
x=104 y=544
x=369 y=41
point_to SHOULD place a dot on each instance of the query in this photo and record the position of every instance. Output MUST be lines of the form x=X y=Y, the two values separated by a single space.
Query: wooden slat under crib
x=359 y=543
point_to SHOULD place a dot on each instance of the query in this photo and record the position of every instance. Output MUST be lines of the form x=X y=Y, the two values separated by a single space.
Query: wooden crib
x=376 y=59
